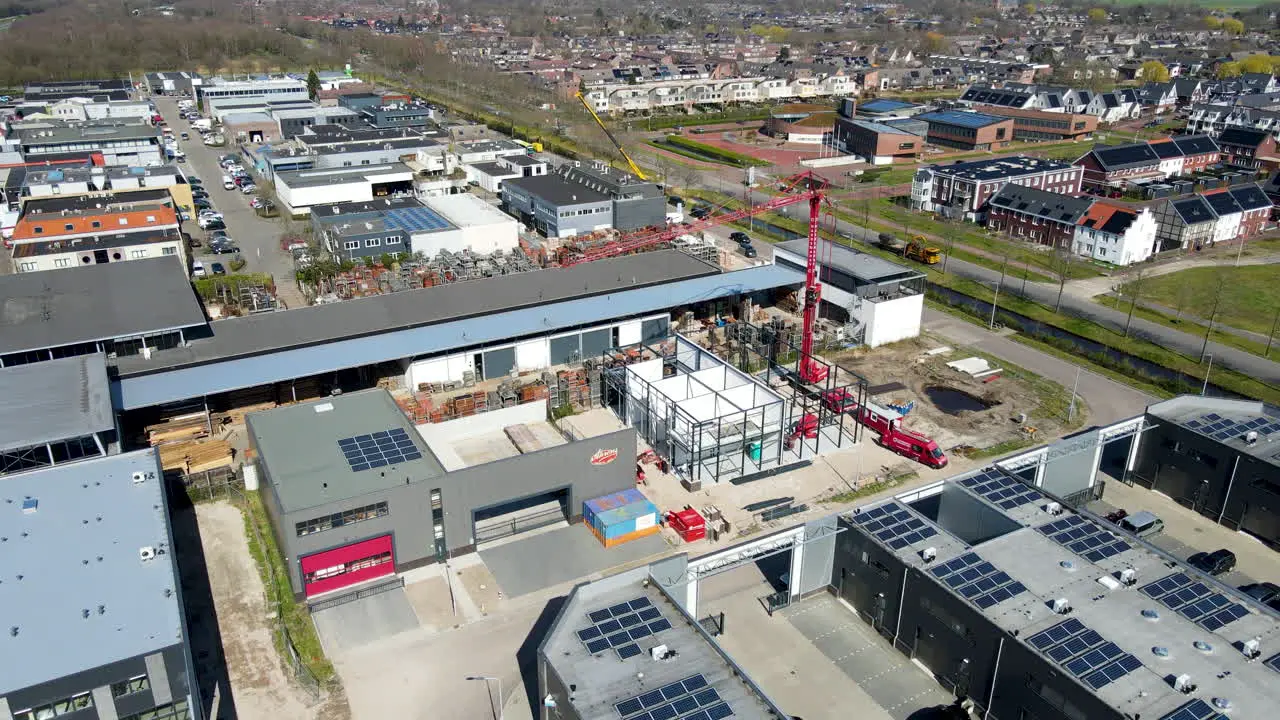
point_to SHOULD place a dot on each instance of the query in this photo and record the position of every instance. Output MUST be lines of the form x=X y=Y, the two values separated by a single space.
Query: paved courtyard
x=538 y=560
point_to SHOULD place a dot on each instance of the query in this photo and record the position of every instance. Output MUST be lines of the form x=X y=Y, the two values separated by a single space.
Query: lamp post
x=995 y=298
x=1205 y=388
x=497 y=714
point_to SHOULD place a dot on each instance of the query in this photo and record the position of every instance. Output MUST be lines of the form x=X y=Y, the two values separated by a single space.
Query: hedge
x=714 y=153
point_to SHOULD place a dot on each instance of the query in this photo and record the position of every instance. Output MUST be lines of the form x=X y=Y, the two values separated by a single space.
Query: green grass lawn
x=1187 y=326
x=1250 y=294
x=685 y=153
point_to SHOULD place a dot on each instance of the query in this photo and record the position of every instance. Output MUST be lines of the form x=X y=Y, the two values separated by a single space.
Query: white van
x=228 y=183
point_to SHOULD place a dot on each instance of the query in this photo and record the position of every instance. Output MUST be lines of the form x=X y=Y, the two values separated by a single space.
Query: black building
x=1219 y=457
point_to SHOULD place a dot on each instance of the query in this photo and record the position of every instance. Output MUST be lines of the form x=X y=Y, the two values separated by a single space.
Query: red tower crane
x=799 y=188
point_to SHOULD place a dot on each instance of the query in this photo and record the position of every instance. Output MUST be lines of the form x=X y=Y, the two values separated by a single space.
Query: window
x=351 y=245
x=26 y=267
x=176 y=711
x=38 y=229
x=347 y=517
x=373 y=242
x=393 y=240
x=69 y=226
x=169 y=251
x=124 y=221
x=130 y=686
x=343 y=569
x=64 y=706
x=137 y=254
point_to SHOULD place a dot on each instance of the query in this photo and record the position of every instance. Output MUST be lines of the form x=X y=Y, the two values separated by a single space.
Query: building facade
x=1043 y=125
x=881 y=144
x=967 y=130
x=1248 y=149
x=557 y=207
x=962 y=190
x=1044 y=218
x=1115 y=234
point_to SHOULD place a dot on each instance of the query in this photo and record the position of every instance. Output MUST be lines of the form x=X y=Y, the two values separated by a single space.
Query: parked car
x=184 y=135
x=740 y=237
x=1142 y=523
x=700 y=212
x=248 y=188
x=194 y=181
x=1214 y=563
x=197 y=269
x=215 y=224
x=228 y=183
x=202 y=204
x=748 y=251
x=1262 y=592
x=256 y=203
x=218 y=269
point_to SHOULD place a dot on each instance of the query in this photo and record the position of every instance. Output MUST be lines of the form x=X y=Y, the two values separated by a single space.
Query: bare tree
x=1132 y=286
x=1219 y=285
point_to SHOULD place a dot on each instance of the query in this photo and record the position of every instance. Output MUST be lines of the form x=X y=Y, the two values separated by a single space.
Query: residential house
x=1184 y=223
x=1159 y=97
x=1248 y=149
x=1213 y=118
x=962 y=190
x=1116 y=234
x=1045 y=218
x=1113 y=165
x=1237 y=213
x=1114 y=106
x=51 y=241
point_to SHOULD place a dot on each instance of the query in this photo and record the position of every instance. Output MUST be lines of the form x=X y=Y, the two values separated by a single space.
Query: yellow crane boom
x=630 y=163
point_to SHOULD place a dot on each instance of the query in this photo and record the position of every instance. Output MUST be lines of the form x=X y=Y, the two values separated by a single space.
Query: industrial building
x=403 y=225
x=578 y=199
x=93 y=615
x=877 y=301
x=879 y=143
x=274 y=89
x=299 y=190
x=55 y=412
x=1217 y=456
x=374 y=495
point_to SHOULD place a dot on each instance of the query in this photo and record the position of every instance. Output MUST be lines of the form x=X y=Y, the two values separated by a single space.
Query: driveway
x=258 y=238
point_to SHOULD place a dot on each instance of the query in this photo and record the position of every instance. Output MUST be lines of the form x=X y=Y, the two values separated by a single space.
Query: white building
x=489 y=175
x=481 y=226
x=686 y=89
x=276 y=89
x=877 y=301
x=1115 y=234
x=298 y=190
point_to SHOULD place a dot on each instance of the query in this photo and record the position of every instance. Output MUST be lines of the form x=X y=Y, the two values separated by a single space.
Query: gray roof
x=49 y=309
x=1013 y=542
x=603 y=680
x=1000 y=168
x=298 y=444
x=55 y=400
x=862 y=266
x=269 y=332
x=78 y=553
x=338 y=176
x=86 y=133
x=1191 y=411
x=555 y=190
x=1055 y=207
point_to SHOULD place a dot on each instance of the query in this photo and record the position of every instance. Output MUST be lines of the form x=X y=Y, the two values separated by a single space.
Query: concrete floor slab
x=365 y=621
x=544 y=559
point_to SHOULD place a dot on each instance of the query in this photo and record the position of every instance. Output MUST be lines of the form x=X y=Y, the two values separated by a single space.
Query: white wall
x=441 y=436
x=448 y=368
x=893 y=320
x=533 y=354
x=299 y=200
x=1227 y=227
x=75 y=258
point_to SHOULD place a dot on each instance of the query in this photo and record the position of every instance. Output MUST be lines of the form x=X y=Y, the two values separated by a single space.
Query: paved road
x=257 y=238
x=1180 y=342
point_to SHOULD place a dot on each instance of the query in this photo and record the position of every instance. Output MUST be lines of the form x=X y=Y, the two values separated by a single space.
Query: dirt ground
x=1007 y=396
x=258 y=682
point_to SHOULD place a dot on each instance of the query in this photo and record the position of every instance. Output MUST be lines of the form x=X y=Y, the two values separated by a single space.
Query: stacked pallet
x=181 y=428
x=196 y=457
x=574 y=389
x=251 y=396
x=415 y=406
x=523 y=438
x=298 y=390
x=537 y=390
x=235 y=416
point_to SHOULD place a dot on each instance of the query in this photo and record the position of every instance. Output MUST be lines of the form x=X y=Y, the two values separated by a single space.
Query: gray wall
x=965 y=516
x=463 y=492
x=1068 y=474
x=942 y=631
x=818 y=556
x=639 y=213
x=87 y=681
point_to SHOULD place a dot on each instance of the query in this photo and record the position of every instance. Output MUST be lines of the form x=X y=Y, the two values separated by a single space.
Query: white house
x=1115 y=234
x=1110 y=107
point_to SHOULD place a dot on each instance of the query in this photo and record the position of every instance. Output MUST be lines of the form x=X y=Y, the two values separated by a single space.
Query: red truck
x=888 y=423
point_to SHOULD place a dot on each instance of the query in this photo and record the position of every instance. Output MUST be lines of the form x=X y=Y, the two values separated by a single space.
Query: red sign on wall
x=604 y=457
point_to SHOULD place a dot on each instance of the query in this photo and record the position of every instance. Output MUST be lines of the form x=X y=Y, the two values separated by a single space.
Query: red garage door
x=347 y=565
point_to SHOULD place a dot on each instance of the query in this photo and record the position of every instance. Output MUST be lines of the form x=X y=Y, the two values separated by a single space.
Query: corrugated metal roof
x=248 y=360
x=55 y=400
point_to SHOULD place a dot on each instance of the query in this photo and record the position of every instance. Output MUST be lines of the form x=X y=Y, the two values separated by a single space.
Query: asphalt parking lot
x=258 y=238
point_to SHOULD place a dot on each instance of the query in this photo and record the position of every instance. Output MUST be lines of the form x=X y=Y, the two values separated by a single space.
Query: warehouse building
x=93 y=614
x=55 y=412
x=374 y=495
x=878 y=302
x=274 y=89
x=557 y=207
x=403 y=225
x=299 y=190
x=879 y=143
x=1219 y=457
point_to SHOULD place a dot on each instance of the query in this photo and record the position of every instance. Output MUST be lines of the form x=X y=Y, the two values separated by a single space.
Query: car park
x=1214 y=563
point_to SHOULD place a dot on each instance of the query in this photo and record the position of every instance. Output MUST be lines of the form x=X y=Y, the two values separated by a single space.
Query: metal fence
x=520 y=524
x=391 y=583
x=219 y=484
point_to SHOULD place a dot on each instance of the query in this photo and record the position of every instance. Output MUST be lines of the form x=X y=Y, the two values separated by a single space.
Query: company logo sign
x=604 y=457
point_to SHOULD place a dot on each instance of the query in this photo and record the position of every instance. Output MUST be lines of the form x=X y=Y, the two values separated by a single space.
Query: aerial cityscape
x=483 y=360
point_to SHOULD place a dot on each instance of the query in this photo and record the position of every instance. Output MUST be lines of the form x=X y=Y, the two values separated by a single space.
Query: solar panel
x=1273 y=662
x=1084 y=538
x=620 y=626
x=962 y=119
x=1001 y=490
x=688 y=699
x=719 y=712
x=894 y=525
x=1194 y=710
x=375 y=450
x=1195 y=601
x=978 y=580
x=1084 y=653
x=628 y=651
x=415 y=219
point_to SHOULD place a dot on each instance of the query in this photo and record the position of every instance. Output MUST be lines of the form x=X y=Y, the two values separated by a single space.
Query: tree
x=934 y=42
x=1257 y=64
x=1212 y=23
x=784 y=53
x=1133 y=288
x=1097 y=16
x=1155 y=71
x=1228 y=70
x=1029 y=8
x=1233 y=26
x=313 y=83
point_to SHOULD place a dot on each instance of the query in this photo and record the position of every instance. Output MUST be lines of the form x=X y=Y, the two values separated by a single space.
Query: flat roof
x=556 y=190
x=467 y=210
x=1033 y=553
x=997 y=168
x=1227 y=422
x=605 y=682
x=41 y=310
x=878 y=127
x=338 y=176
x=55 y=400
x=883 y=105
x=862 y=266
x=961 y=118
x=339 y=448
x=76 y=594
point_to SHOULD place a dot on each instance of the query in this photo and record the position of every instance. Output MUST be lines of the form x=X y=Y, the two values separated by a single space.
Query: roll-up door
x=498 y=363
x=344 y=566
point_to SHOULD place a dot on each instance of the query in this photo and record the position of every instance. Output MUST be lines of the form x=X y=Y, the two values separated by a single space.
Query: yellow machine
x=918 y=251
x=635 y=169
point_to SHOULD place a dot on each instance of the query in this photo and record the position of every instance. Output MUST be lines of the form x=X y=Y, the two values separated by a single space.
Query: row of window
x=345 y=568
x=64 y=262
x=588 y=211
x=176 y=711
x=371 y=242
x=130 y=686
x=65 y=706
x=346 y=517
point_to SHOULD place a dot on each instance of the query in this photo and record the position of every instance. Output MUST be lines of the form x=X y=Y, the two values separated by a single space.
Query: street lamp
x=994 y=300
x=1205 y=388
x=497 y=714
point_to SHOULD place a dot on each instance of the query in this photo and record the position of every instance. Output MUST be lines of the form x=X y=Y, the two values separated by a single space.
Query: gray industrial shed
x=54 y=412
x=355 y=493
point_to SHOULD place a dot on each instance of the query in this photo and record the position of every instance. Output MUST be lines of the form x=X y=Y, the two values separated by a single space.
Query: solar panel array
x=385 y=447
x=979 y=581
x=1224 y=429
x=1273 y=662
x=1195 y=710
x=1084 y=653
x=1084 y=538
x=419 y=219
x=1001 y=489
x=619 y=626
x=960 y=118
x=894 y=526
x=1195 y=601
x=688 y=699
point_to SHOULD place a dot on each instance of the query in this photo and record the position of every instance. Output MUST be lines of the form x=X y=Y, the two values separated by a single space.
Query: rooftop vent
x=29 y=505
x=1252 y=648
x=929 y=554
x=1202 y=646
x=1053 y=508
x=146 y=553
x=1128 y=576
x=1221 y=703
x=1183 y=684
x=1160 y=651
x=1062 y=606
x=1251 y=437
x=139 y=477
x=324 y=407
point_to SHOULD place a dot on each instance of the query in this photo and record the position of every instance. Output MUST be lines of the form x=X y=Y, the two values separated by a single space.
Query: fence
x=218 y=484
x=391 y=584
x=521 y=524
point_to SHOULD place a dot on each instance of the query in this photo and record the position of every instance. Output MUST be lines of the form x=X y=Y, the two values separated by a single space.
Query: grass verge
x=665 y=147
x=710 y=152
x=275 y=578
x=1250 y=293
x=1185 y=325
